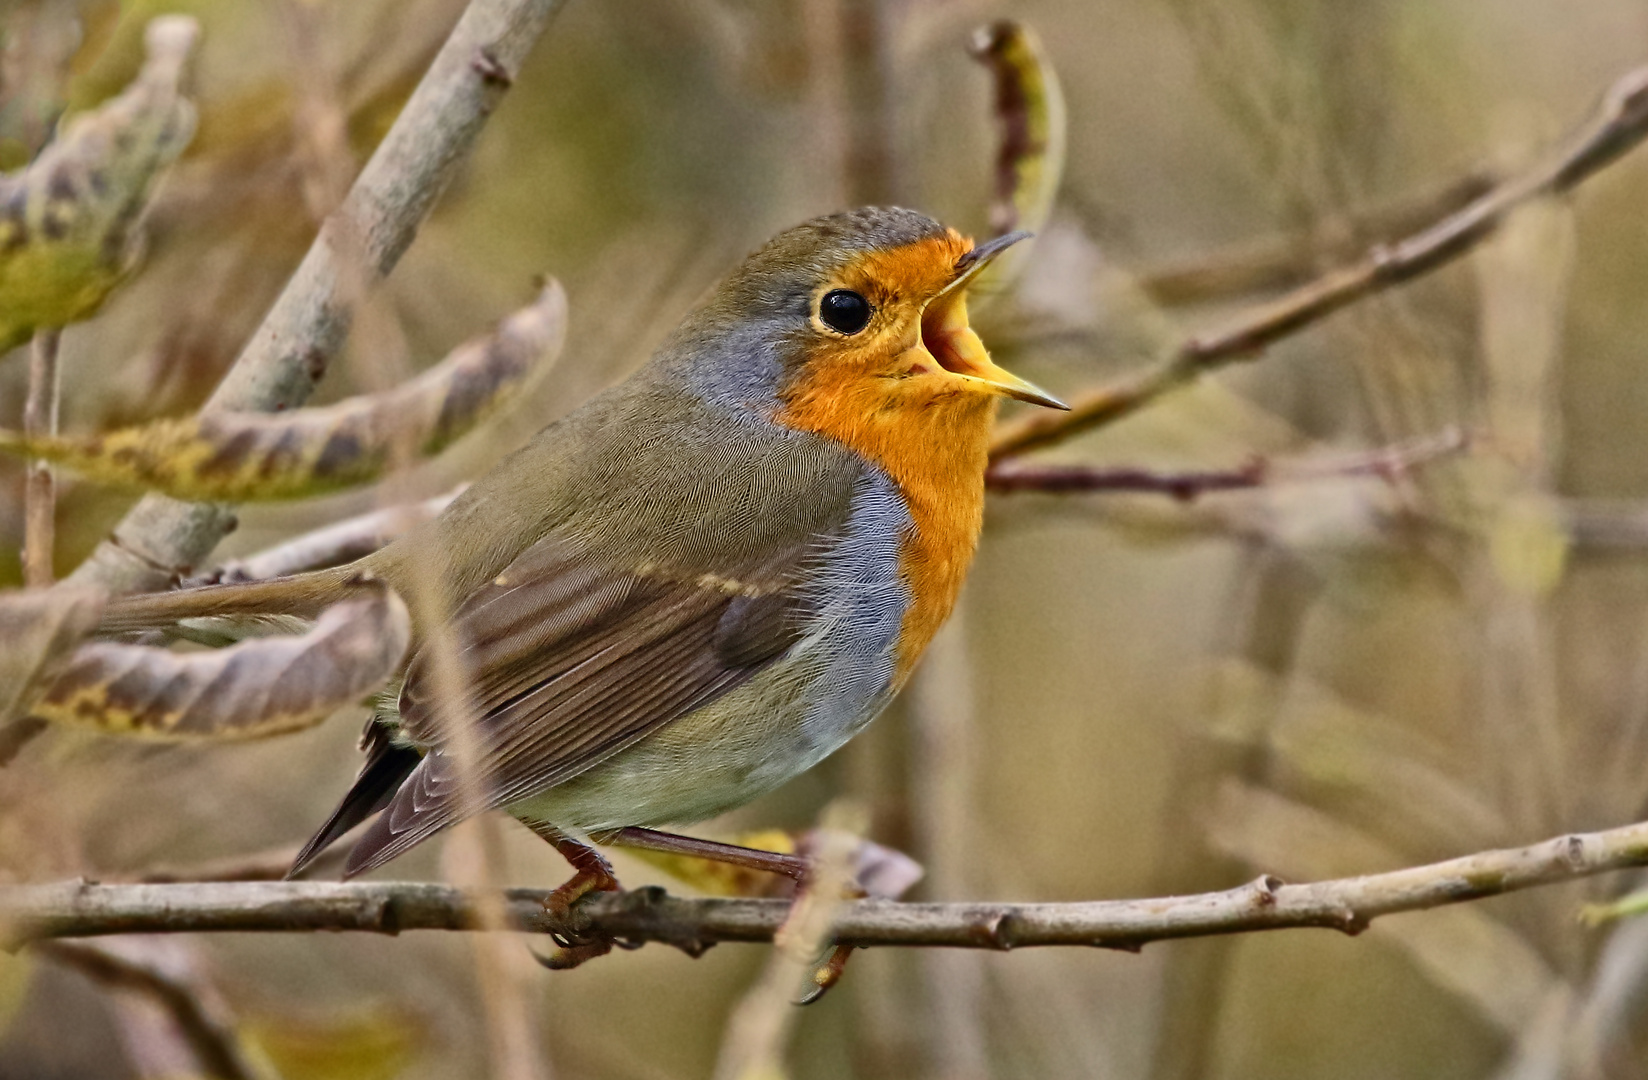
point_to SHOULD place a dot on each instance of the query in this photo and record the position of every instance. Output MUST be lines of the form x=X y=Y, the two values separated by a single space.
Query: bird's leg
x=593 y=874
x=795 y=867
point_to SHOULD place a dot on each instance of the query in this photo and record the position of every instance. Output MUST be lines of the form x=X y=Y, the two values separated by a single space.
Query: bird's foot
x=593 y=874
x=796 y=865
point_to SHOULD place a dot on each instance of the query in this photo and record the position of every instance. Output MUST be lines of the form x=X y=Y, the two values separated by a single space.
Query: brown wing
x=569 y=662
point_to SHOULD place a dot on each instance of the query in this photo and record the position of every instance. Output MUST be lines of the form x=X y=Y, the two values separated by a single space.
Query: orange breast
x=936 y=455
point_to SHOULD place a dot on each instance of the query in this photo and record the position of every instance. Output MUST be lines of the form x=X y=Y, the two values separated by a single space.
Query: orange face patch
x=934 y=445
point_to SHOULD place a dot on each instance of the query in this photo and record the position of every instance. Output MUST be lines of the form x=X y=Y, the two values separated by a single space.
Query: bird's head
x=862 y=316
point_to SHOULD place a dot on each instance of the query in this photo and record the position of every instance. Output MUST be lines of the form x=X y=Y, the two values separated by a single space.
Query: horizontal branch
x=77 y=909
x=1387 y=463
x=1620 y=123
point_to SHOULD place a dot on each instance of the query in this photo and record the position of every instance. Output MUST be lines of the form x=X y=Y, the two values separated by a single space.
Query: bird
x=701 y=582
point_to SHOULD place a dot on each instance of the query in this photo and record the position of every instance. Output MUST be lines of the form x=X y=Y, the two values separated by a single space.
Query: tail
x=386 y=769
x=301 y=594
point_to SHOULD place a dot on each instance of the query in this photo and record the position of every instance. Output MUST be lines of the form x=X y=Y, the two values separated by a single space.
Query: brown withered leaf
x=39 y=629
x=246 y=457
x=1030 y=111
x=70 y=221
x=266 y=686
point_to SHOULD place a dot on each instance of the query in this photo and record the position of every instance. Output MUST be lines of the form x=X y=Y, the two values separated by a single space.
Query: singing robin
x=707 y=578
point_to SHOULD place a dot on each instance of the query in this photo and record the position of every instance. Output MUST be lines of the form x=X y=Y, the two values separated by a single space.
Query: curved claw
x=567 y=957
x=594 y=875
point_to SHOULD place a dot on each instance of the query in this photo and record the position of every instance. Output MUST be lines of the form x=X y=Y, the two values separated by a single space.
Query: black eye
x=844 y=310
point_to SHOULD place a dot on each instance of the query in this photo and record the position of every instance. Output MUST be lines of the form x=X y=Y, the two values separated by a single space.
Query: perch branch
x=79 y=909
x=1620 y=123
x=366 y=235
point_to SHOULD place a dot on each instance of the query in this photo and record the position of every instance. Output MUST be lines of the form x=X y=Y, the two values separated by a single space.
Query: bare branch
x=39 y=488
x=1619 y=124
x=1387 y=463
x=1278 y=263
x=389 y=200
x=80 y=909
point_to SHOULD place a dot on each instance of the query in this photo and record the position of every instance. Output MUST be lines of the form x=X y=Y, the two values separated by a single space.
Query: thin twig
x=79 y=909
x=210 y=1036
x=1620 y=123
x=39 y=488
x=379 y=218
x=1278 y=263
x=1386 y=463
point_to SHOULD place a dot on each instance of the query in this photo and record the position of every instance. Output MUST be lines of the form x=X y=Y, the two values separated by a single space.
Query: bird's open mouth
x=952 y=342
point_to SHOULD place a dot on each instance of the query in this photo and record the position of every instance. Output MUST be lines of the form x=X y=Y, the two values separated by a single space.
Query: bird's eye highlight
x=844 y=311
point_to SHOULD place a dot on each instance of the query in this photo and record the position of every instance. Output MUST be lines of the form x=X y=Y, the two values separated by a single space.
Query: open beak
x=946 y=334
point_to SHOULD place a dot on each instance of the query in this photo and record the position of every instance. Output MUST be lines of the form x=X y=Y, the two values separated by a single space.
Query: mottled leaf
x=241 y=457
x=70 y=221
x=38 y=631
x=1030 y=111
x=265 y=686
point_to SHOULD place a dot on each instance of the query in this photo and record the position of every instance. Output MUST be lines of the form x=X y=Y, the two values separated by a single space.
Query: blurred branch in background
x=79 y=909
x=1389 y=463
x=195 y=1012
x=1620 y=123
x=1287 y=262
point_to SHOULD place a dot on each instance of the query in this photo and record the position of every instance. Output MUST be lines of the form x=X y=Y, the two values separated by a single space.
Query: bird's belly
x=783 y=721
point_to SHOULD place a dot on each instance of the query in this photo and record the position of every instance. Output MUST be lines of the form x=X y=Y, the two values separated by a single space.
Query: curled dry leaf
x=1030 y=110
x=38 y=631
x=266 y=686
x=70 y=221
x=240 y=457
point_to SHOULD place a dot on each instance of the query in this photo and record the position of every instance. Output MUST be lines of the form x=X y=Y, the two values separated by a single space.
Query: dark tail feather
x=386 y=769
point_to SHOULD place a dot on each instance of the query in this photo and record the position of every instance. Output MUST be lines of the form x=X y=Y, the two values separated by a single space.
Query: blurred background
x=1330 y=674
